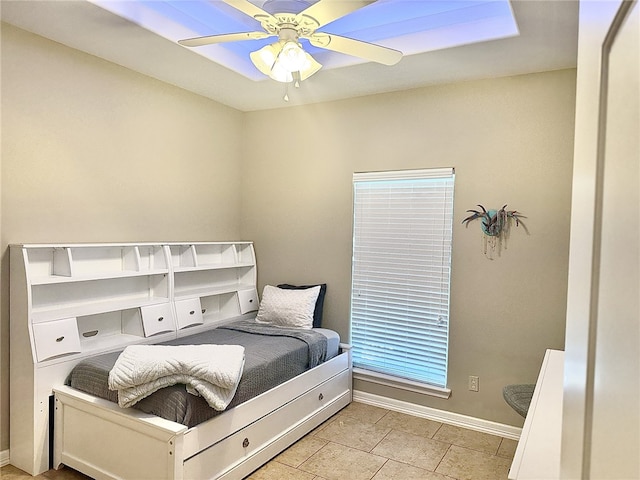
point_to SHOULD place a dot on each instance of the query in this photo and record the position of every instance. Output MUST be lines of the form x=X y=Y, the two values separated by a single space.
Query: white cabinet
x=538 y=454
x=77 y=300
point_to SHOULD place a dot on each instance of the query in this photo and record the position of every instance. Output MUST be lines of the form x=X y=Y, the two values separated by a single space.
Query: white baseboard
x=4 y=458
x=472 y=423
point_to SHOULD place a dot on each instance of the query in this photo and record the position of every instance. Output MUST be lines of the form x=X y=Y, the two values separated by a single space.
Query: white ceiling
x=547 y=40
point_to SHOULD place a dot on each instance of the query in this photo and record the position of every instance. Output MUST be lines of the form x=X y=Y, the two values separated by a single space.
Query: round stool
x=519 y=397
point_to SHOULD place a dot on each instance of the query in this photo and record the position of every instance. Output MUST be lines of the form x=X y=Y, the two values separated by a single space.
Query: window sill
x=401 y=383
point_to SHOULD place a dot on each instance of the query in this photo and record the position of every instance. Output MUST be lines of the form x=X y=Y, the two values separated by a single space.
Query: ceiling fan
x=292 y=20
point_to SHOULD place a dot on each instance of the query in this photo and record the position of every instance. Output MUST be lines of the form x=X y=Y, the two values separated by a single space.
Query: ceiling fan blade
x=356 y=48
x=223 y=38
x=326 y=11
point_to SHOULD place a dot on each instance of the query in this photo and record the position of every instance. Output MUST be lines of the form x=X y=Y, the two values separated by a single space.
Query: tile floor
x=363 y=442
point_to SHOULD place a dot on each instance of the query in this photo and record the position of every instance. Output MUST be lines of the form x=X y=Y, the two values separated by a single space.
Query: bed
x=288 y=387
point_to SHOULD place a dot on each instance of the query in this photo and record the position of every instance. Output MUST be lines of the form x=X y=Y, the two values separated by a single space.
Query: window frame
x=379 y=375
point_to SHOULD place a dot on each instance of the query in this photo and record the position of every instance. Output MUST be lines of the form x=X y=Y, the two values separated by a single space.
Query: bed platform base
x=104 y=441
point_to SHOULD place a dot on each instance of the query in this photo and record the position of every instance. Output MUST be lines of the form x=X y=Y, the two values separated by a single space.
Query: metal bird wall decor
x=495 y=227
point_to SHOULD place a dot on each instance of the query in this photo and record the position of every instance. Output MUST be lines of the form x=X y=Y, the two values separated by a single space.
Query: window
x=400 y=281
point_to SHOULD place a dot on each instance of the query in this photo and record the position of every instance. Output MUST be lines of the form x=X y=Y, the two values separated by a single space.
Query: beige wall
x=511 y=142
x=95 y=152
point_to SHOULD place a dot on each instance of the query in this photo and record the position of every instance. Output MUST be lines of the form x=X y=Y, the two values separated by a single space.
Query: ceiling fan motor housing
x=288 y=33
x=286 y=6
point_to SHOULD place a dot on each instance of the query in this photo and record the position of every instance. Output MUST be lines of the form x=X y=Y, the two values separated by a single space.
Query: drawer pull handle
x=251 y=300
x=91 y=333
x=245 y=443
x=320 y=397
x=192 y=312
x=59 y=339
x=160 y=319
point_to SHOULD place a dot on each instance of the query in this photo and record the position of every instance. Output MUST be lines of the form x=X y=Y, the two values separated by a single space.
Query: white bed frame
x=69 y=302
x=134 y=445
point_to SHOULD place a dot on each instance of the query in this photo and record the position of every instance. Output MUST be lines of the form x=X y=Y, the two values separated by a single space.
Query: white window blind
x=401 y=271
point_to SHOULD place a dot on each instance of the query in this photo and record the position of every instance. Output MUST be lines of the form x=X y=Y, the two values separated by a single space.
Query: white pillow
x=288 y=308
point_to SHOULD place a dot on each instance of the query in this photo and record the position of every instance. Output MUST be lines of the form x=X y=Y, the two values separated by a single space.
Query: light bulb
x=293 y=57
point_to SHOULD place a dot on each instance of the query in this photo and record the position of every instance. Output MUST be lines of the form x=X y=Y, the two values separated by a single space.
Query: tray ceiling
x=443 y=42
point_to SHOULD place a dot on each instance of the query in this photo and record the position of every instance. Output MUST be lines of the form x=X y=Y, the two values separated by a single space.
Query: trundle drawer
x=55 y=338
x=157 y=319
x=250 y=440
x=188 y=312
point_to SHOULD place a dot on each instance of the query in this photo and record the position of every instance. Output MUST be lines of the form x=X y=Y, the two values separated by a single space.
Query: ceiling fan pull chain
x=286 y=92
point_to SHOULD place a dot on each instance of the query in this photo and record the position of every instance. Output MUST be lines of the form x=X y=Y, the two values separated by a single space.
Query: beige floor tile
x=323 y=424
x=337 y=462
x=507 y=448
x=64 y=474
x=483 y=442
x=352 y=432
x=412 y=449
x=363 y=412
x=410 y=424
x=278 y=471
x=465 y=464
x=9 y=472
x=301 y=450
x=393 y=470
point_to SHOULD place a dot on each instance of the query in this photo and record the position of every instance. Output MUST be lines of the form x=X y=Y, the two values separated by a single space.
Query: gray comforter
x=273 y=355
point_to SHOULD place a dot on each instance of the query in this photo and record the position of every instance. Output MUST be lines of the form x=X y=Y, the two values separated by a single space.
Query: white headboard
x=72 y=301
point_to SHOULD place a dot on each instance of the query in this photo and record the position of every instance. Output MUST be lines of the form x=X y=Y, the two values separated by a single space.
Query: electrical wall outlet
x=474 y=383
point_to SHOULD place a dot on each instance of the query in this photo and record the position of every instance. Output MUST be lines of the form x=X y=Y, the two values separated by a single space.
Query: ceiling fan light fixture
x=265 y=58
x=292 y=57
x=280 y=74
x=311 y=66
x=292 y=20
x=281 y=59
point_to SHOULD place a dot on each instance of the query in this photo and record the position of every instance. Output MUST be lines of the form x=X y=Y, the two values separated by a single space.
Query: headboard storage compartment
x=210 y=281
x=76 y=300
x=96 y=296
